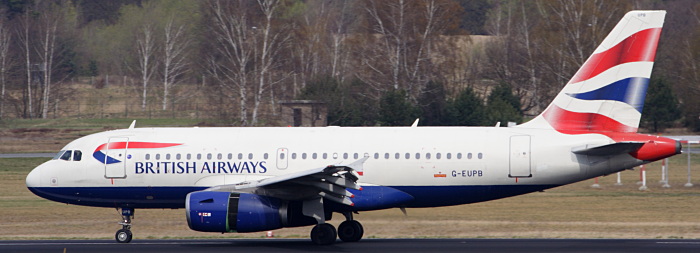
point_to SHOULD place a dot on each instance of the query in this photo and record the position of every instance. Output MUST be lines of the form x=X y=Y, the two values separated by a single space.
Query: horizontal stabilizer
x=609 y=149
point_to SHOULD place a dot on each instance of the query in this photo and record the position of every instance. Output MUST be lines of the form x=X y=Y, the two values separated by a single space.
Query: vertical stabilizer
x=607 y=93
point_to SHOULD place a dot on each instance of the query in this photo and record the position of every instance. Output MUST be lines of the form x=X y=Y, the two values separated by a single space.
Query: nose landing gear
x=124 y=235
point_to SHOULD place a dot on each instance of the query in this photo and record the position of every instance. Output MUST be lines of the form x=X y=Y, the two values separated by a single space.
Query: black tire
x=323 y=234
x=123 y=236
x=350 y=231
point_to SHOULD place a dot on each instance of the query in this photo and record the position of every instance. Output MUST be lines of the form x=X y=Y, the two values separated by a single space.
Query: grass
x=573 y=211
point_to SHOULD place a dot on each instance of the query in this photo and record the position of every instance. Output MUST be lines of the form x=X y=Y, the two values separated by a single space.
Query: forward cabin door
x=520 y=156
x=115 y=159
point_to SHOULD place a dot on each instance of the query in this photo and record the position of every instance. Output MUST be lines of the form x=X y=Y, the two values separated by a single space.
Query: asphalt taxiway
x=366 y=245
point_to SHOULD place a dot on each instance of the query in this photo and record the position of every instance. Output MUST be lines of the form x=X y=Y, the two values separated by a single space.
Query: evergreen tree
x=503 y=106
x=467 y=109
x=346 y=106
x=661 y=106
x=432 y=103
x=396 y=110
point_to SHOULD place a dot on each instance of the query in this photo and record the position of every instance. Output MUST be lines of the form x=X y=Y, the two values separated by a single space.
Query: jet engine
x=211 y=211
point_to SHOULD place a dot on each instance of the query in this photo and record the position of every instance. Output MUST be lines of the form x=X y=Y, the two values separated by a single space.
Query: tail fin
x=607 y=93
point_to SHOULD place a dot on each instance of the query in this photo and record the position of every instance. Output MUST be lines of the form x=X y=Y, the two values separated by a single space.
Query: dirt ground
x=573 y=211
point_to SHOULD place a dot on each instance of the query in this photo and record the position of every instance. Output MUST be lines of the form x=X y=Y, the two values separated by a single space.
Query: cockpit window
x=77 y=155
x=66 y=156
x=59 y=154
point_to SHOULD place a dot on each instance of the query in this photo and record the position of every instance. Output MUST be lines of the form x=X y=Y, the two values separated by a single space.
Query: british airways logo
x=100 y=155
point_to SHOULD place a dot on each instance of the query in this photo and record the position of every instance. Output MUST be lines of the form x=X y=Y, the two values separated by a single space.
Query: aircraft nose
x=34 y=178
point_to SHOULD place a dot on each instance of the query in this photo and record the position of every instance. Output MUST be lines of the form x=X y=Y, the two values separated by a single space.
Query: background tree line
x=374 y=62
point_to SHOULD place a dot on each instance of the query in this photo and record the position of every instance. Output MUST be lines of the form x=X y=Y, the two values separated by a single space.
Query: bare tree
x=273 y=40
x=24 y=36
x=233 y=51
x=146 y=47
x=49 y=19
x=174 y=59
x=405 y=32
x=4 y=58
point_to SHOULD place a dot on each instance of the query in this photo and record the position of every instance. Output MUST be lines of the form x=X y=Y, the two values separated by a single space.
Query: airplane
x=248 y=179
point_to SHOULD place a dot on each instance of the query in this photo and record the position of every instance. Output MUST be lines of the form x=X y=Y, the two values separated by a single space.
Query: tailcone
x=657 y=148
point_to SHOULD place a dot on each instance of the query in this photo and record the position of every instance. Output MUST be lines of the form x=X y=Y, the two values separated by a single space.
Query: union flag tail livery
x=248 y=179
x=607 y=93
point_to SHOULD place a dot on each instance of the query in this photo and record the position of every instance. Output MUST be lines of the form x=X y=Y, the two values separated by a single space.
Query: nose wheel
x=124 y=235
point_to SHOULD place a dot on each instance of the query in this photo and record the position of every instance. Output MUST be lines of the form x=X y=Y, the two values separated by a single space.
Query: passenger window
x=325 y=156
x=397 y=156
x=459 y=155
x=427 y=155
x=219 y=156
x=376 y=155
x=303 y=156
x=265 y=156
x=209 y=156
x=314 y=156
x=167 y=157
x=199 y=156
x=417 y=156
x=250 y=156
x=281 y=155
x=437 y=156
x=148 y=156
x=408 y=156
x=294 y=155
x=240 y=156
x=345 y=155
x=469 y=155
x=449 y=155
x=189 y=156
x=335 y=155
x=386 y=155
x=157 y=156
x=66 y=155
x=178 y=157
x=480 y=155
x=356 y=155
x=77 y=155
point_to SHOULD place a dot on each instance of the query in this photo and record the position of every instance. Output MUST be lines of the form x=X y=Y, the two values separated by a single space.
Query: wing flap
x=330 y=182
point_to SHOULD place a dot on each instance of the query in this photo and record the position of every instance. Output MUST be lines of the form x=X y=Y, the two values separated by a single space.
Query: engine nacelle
x=210 y=211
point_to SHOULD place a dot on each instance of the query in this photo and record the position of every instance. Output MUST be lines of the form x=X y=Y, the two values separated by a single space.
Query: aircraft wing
x=330 y=182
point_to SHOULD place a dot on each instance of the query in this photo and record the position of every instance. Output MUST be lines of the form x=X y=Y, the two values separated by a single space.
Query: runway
x=366 y=245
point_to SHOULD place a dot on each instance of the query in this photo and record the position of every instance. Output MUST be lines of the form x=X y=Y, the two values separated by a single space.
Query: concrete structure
x=303 y=113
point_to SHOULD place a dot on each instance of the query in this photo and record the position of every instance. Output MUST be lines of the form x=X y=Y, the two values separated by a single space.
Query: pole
x=689 y=184
x=619 y=179
x=644 y=179
x=665 y=168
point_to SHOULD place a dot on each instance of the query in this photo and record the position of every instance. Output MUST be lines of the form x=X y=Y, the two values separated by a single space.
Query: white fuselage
x=480 y=163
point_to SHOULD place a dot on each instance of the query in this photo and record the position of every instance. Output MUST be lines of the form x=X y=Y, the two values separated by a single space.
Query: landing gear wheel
x=323 y=234
x=350 y=231
x=123 y=236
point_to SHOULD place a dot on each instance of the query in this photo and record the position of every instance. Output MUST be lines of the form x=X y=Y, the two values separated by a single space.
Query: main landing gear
x=124 y=235
x=349 y=231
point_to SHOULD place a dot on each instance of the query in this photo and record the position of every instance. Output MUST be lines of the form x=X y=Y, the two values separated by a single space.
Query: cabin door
x=520 y=156
x=115 y=157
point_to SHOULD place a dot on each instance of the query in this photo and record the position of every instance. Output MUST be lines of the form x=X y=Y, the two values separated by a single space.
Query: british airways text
x=247 y=167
